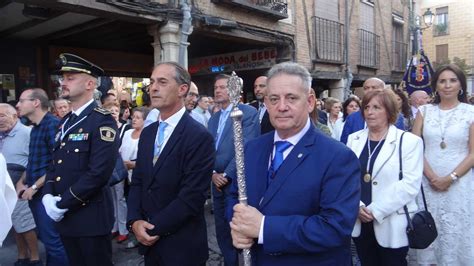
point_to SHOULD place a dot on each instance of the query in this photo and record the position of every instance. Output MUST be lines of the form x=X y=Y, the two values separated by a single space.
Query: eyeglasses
x=22 y=100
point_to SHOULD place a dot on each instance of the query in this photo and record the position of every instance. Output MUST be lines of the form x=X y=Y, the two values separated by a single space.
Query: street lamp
x=428 y=18
x=416 y=28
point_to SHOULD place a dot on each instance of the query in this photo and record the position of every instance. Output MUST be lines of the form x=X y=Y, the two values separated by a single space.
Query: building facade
x=451 y=37
x=341 y=42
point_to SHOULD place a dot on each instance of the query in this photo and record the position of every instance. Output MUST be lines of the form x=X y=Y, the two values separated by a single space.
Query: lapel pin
x=300 y=155
x=80 y=130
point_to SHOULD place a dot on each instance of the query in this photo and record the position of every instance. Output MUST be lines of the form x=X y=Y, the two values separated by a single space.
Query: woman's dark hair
x=345 y=104
x=123 y=105
x=459 y=74
x=406 y=109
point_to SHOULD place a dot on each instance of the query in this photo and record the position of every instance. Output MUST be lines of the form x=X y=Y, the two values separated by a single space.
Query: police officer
x=77 y=195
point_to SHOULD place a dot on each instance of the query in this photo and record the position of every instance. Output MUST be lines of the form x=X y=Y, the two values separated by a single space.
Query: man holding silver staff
x=220 y=126
x=302 y=187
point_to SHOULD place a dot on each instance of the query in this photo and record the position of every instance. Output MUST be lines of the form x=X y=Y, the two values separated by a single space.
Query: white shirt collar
x=295 y=138
x=80 y=109
x=173 y=120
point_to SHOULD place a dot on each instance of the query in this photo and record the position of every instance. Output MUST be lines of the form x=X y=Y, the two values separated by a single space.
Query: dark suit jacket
x=225 y=152
x=82 y=164
x=171 y=194
x=265 y=126
x=312 y=204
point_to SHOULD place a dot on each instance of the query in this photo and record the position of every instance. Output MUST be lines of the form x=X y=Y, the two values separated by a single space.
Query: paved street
x=121 y=255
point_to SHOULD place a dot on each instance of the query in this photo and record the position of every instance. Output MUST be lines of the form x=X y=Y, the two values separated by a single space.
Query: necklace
x=444 y=126
x=368 y=176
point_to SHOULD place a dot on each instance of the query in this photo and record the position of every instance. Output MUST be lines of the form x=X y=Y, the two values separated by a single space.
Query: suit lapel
x=149 y=148
x=262 y=164
x=386 y=152
x=359 y=141
x=173 y=139
x=291 y=162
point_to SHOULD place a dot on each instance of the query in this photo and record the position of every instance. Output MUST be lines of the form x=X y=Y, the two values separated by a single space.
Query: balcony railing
x=369 y=44
x=328 y=39
x=399 y=55
x=273 y=8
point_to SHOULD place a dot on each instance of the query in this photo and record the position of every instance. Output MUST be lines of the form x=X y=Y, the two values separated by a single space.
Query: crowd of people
x=321 y=174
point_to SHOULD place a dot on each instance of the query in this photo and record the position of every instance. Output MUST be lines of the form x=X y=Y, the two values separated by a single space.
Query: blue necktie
x=280 y=147
x=159 y=141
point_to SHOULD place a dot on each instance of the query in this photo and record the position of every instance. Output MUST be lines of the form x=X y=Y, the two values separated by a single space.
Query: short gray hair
x=10 y=109
x=181 y=74
x=291 y=68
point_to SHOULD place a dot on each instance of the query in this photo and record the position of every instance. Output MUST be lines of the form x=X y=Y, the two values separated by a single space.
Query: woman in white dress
x=448 y=132
x=129 y=146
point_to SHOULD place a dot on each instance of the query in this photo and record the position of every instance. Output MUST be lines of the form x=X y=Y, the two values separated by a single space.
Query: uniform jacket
x=311 y=205
x=83 y=161
x=171 y=193
x=389 y=195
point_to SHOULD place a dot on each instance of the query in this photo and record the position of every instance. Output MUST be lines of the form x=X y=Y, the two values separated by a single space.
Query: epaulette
x=102 y=110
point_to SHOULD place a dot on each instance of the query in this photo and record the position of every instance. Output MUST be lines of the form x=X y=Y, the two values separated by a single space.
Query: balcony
x=328 y=39
x=399 y=55
x=369 y=44
x=277 y=9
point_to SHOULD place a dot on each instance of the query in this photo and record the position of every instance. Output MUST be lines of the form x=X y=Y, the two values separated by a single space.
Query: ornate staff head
x=235 y=88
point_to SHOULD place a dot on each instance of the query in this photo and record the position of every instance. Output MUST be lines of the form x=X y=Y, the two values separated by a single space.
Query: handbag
x=421 y=229
x=120 y=172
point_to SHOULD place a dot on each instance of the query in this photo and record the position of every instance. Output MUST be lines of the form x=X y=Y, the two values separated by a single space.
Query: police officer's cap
x=75 y=64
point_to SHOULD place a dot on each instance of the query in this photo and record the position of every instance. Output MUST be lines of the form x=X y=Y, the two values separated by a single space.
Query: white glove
x=49 y=202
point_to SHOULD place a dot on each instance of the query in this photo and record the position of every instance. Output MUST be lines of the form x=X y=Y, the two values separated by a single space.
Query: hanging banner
x=226 y=63
x=418 y=74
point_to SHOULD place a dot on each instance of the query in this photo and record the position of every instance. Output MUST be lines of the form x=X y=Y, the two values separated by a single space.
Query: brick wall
x=460 y=39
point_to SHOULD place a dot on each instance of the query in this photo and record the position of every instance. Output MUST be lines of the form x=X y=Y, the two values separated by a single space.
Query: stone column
x=169 y=36
x=336 y=89
x=153 y=30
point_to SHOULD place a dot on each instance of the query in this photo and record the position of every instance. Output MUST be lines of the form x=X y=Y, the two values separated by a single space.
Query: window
x=442 y=54
x=441 y=23
x=399 y=47
x=328 y=31
x=369 y=42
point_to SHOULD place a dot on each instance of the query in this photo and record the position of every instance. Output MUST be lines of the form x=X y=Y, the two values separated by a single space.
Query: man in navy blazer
x=302 y=211
x=172 y=174
x=355 y=121
x=220 y=126
x=260 y=89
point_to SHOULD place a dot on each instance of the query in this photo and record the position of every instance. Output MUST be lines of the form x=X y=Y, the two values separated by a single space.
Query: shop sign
x=244 y=60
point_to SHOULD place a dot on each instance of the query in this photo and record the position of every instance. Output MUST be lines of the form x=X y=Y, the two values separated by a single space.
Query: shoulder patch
x=102 y=110
x=107 y=134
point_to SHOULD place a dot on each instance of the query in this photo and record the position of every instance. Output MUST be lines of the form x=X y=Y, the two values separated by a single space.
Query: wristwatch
x=454 y=176
x=34 y=187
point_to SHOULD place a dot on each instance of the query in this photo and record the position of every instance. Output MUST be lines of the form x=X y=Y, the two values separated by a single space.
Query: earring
x=461 y=92
x=435 y=93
